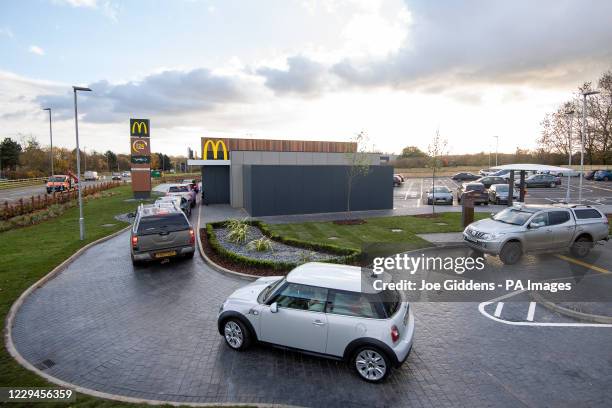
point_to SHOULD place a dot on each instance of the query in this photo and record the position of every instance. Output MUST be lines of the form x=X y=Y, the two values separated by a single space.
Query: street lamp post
x=78 y=152
x=50 y=137
x=584 y=105
x=496 y=148
x=570 y=114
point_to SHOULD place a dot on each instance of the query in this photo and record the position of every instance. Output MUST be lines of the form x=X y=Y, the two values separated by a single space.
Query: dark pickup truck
x=478 y=191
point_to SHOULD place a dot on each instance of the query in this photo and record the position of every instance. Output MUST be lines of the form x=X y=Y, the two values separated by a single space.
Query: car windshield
x=57 y=179
x=178 y=189
x=474 y=187
x=600 y=172
x=513 y=216
x=270 y=289
x=162 y=223
x=441 y=190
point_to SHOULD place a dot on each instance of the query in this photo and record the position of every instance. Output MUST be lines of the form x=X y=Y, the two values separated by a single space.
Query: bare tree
x=436 y=150
x=359 y=165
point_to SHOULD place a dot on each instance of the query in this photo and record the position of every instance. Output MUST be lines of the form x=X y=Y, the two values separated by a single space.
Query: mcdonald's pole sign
x=140 y=148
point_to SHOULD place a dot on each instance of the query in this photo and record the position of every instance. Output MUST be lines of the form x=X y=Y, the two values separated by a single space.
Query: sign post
x=140 y=149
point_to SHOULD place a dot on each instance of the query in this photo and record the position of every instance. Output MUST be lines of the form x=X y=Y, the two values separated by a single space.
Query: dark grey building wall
x=281 y=190
x=216 y=184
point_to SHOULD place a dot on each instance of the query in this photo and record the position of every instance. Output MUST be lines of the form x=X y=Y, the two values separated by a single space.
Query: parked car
x=486 y=172
x=527 y=229
x=564 y=173
x=322 y=309
x=590 y=174
x=480 y=193
x=603 y=175
x=397 y=181
x=439 y=195
x=488 y=181
x=90 y=176
x=183 y=190
x=160 y=233
x=465 y=177
x=400 y=177
x=498 y=193
x=177 y=201
x=541 y=180
x=116 y=176
x=125 y=174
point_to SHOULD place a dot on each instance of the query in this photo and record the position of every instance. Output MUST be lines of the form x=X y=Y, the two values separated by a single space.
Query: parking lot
x=410 y=193
x=151 y=333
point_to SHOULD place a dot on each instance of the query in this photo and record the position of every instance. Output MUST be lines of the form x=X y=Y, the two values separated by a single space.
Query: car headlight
x=492 y=236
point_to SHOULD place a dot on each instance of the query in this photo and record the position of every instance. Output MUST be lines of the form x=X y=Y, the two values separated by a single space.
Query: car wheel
x=236 y=334
x=189 y=255
x=606 y=178
x=136 y=263
x=371 y=364
x=511 y=253
x=497 y=201
x=552 y=184
x=581 y=247
x=486 y=203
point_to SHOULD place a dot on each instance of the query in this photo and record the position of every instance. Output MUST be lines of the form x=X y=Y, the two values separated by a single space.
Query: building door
x=216 y=184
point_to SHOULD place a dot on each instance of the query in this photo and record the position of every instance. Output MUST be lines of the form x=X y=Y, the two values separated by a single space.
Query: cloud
x=35 y=49
x=77 y=3
x=108 y=8
x=302 y=76
x=169 y=92
x=6 y=32
x=544 y=42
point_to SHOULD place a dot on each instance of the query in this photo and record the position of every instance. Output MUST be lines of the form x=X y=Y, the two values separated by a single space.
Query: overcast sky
x=297 y=69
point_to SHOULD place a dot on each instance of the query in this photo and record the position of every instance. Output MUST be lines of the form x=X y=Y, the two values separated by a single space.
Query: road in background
x=14 y=194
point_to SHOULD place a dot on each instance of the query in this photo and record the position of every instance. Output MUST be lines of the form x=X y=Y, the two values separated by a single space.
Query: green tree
x=111 y=160
x=411 y=152
x=9 y=154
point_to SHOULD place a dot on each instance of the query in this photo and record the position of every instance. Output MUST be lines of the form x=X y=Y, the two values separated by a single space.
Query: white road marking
x=408 y=189
x=421 y=196
x=531 y=311
x=498 y=309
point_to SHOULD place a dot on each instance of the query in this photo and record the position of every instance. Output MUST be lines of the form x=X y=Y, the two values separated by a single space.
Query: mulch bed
x=430 y=215
x=233 y=266
x=355 y=221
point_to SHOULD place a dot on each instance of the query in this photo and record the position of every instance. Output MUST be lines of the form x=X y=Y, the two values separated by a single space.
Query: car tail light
x=395 y=334
x=134 y=241
x=191 y=236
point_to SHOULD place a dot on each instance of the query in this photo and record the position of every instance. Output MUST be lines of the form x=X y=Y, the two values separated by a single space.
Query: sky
x=296 y=69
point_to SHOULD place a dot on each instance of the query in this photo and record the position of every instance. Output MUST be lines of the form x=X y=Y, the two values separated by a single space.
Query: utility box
x=467 y=208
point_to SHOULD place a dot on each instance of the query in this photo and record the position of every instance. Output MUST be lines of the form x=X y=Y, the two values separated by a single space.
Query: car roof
x=328 y=275
x=473 y=183
x=151 y=210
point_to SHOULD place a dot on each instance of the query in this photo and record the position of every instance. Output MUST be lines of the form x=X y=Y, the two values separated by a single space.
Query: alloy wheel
x=233 y=334
x=370 y=365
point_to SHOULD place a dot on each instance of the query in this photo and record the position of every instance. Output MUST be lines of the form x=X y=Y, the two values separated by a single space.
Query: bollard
x=467 y=209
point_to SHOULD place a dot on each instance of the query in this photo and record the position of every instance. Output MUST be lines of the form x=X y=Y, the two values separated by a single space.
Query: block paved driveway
x=151 y=333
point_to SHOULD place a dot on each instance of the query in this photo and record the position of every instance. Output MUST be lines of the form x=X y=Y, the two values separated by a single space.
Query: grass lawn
x=376 y=230
x=31 y=252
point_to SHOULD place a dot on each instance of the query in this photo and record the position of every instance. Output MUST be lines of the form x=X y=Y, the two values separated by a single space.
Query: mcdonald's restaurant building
x=279 y=177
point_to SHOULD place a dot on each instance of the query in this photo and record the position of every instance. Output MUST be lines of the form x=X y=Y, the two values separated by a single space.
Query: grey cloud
x=168 y=92
x=520 y=41
x=303 y=76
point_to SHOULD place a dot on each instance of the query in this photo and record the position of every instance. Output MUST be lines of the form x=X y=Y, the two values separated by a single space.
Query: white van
x=91 y=176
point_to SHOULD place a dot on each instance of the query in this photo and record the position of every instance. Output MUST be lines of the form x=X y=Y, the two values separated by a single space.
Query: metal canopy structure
x=530 y=167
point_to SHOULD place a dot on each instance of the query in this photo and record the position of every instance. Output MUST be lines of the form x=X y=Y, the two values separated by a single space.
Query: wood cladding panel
x=272 y=145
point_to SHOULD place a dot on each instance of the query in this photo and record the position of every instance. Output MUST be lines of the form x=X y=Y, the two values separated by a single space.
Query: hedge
x=346 y=255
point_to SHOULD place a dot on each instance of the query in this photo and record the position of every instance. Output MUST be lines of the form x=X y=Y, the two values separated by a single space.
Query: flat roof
x=279 y=145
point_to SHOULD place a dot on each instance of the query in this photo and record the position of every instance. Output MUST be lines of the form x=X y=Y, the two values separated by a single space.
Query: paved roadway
x=14 y=194
x=411 y=193
x=151 y=333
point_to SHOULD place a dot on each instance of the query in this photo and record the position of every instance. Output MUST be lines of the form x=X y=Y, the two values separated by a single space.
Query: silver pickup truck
x=538 y=228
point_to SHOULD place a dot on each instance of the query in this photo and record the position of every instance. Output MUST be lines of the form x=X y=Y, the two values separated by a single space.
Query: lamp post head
x=80 y=88
x=47 y=109
x=588 y=93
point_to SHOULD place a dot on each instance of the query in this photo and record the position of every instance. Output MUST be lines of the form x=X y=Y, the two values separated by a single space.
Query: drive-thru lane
x=151 y=333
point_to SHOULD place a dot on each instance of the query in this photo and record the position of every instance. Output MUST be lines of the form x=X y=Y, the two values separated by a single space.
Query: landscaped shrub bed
x=242 y=263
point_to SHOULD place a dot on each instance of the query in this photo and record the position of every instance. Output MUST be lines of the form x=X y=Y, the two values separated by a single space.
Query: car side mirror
x=534 y=225
x=274 y=308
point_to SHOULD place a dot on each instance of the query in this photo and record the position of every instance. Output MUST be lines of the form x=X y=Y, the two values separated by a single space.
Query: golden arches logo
x=215 y=149
x=140 y=126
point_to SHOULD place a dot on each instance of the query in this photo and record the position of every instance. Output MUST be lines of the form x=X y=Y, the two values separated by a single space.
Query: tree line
x=28 y=158
x=564 y=127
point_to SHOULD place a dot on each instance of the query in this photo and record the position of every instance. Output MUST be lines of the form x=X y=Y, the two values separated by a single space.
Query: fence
x=6 y=184
x=42 y=201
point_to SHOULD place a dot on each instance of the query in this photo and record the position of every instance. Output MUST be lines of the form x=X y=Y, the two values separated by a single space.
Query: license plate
x=165 y=254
